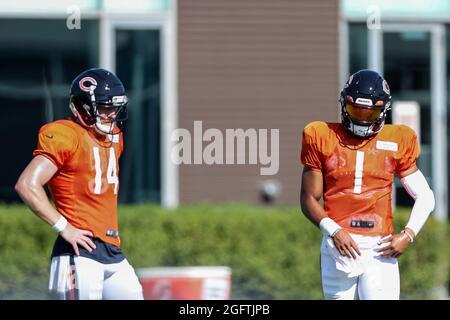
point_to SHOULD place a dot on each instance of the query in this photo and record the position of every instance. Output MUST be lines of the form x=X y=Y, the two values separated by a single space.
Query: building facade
x=254 y=66
x=230 y=65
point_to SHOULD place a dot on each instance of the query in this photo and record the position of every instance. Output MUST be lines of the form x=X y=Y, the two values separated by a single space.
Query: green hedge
x=273 y=252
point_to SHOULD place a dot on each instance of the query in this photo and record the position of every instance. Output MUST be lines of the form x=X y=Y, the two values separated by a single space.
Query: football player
x=352 y=165
x=79 y=160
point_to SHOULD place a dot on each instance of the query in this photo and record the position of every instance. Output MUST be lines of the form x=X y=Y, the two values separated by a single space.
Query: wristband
x=329 y=227
x=409 y=235
x=60 y=225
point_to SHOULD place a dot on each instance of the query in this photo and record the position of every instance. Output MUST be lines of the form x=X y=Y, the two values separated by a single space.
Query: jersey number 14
x=111 y=172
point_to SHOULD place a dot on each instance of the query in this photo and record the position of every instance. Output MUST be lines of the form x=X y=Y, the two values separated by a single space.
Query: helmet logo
x=386 y=87
x=366 y=102
x=86 y=83
x=119 y=100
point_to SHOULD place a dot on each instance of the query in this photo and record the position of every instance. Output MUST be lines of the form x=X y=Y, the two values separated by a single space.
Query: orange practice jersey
x=86 y=184
x=358 y=173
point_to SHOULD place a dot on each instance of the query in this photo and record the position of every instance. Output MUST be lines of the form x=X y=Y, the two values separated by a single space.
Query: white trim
x=107 y=43
x=166 y=22
x=401 y=19
x=169 y=112
x=399 y=27
x=92 y=15
x=375 y=50
x=46 y=15
x=439 y=120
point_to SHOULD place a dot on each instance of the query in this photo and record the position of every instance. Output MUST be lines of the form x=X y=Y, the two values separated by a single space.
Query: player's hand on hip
x=78 y=237
x=345 y=244
x=397 y=245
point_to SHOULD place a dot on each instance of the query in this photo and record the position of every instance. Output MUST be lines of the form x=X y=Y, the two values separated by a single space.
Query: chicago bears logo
x=386 y=87
x=86 y=83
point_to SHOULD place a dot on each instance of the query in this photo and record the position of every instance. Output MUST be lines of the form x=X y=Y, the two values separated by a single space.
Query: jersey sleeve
x=409 y=150
x=310 y=154
x=57 y=143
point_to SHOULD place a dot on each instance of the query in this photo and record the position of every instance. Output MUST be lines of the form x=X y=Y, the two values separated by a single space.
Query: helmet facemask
x=118 y=106
x=91 y=117
x=362 y=117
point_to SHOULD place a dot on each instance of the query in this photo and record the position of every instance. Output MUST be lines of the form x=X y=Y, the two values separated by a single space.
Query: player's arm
x=310 y=195
x=417 y=186
x=30 y=187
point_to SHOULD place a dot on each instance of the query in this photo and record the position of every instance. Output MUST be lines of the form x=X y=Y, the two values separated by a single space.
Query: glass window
x=357 y=46
x=138 y=66
x=407 y=68
x=38 y=60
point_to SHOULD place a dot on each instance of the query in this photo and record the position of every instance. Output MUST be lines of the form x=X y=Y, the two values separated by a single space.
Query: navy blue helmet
x=96 y=88
x=365 y=101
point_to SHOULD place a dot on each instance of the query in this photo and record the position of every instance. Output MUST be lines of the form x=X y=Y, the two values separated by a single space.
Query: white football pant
x=380 y=279
x=76 y=277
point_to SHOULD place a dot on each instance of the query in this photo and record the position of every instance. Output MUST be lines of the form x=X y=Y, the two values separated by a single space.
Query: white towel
x=367 y=245
x=353 y=267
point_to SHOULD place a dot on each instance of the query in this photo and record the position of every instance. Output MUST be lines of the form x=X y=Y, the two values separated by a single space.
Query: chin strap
x=105 y=128
x=77 y=115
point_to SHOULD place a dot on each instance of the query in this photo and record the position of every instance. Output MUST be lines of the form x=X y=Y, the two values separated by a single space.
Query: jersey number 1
x=358 y=172
x=111 y=172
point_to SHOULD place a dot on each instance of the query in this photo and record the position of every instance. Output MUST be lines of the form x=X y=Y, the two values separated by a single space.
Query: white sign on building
x=407 y=113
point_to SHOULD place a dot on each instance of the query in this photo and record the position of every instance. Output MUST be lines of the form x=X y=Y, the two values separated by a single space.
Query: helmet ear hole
x=82 y=110
x=86 y=116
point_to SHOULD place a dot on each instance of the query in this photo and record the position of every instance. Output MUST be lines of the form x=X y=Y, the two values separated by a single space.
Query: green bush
x=273 y=252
